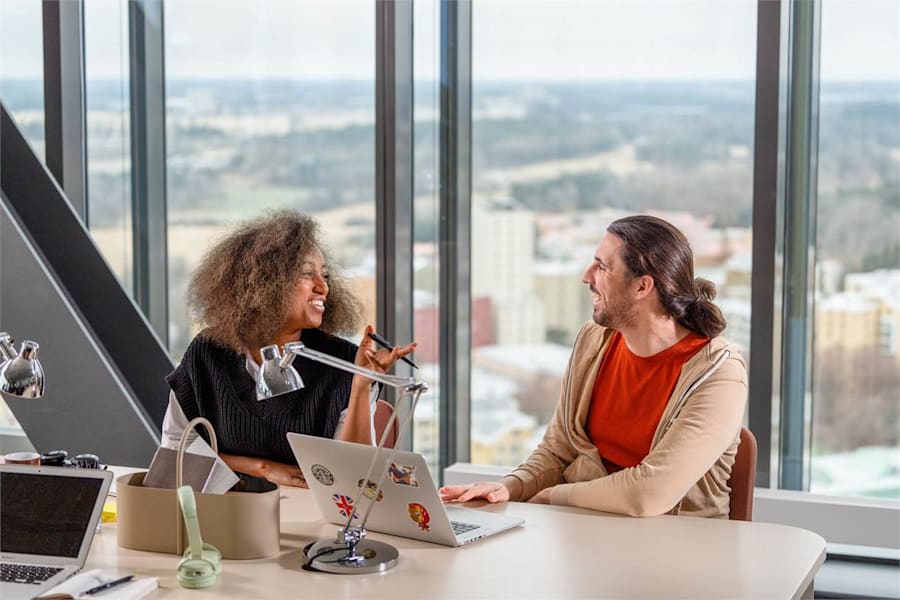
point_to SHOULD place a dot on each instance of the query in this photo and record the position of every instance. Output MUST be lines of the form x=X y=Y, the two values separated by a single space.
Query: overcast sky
x=513 y=39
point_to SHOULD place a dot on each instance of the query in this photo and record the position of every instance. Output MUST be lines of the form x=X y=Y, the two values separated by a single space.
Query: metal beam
x=455 y=230
x=65 y=117
x=800 y=205
x=394 y=173
x=148 y=162
x=764 y=317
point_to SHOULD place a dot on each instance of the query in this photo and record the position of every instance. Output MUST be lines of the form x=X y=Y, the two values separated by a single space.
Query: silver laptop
x=408 y=505
x=48 y=516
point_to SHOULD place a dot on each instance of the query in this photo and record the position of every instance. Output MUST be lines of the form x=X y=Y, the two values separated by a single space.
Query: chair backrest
x=383 y=412
x=743 y=476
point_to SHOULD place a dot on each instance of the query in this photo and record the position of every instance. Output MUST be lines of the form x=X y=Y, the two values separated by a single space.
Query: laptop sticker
x=419 y=514
x=344 y=505
x=370 y=490
x=403 y=475
x=322 y=474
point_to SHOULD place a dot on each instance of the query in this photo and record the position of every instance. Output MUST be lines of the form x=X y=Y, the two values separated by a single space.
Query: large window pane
x=107 y=98
x=585 y=112
x=269 y=105
x=22 y=68
x=856 y=349
x=426 y=179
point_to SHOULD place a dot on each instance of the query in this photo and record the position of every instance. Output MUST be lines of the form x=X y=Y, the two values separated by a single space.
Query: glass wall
x=584 y=112
x=269 y=105
x=856 y=348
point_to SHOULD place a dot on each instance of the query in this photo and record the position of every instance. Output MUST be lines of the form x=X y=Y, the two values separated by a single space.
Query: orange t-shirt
x=629 y=397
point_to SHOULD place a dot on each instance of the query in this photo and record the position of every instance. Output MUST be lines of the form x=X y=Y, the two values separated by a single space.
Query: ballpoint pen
x=108 y=584
x=389 y=346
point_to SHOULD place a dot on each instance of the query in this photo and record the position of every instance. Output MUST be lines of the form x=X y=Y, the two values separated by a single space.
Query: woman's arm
x=357 y=426
x=357 y=423
x=174 y=423
x=276 y=472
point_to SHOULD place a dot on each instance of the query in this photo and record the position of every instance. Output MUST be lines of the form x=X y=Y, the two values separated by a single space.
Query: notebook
x=408 y=504
x=75 y=587
x=48 y=516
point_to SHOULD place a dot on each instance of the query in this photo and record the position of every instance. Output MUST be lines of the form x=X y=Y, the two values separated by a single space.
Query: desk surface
x=559 y=552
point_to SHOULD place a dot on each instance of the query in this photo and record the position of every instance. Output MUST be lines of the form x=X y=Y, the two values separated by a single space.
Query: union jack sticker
x=344 y=505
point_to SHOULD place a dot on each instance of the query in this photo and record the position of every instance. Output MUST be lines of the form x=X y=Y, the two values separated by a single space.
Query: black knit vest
x=212 y=382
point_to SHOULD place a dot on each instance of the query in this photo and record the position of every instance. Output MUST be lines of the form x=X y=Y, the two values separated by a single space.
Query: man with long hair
x=653 y=397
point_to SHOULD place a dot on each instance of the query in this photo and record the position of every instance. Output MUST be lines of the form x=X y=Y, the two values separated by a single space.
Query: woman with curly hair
x=269 y=282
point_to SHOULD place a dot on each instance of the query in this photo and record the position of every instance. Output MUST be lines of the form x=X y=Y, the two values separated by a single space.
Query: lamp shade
x=274 y=379
x=23 y=375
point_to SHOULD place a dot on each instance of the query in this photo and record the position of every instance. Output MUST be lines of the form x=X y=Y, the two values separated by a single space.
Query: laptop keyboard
x=459 y=527
x=16 y=573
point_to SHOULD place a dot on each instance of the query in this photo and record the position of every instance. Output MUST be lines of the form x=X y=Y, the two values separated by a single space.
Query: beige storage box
x=242 y=525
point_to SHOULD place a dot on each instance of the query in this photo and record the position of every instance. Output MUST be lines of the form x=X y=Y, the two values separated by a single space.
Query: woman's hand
x=377 y=359
x=276 y=472
x=492 y=491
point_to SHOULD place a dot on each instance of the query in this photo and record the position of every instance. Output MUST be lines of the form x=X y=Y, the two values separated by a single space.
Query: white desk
x=559 y=552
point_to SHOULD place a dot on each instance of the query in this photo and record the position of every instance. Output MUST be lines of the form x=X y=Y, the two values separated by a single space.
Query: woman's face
x=308 y=307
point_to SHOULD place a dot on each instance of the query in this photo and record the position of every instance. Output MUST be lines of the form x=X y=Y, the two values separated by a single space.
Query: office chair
x=383 y=412
x=743 y=475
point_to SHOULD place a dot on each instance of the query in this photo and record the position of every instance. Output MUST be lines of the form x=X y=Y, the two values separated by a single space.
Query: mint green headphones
x=202 y=563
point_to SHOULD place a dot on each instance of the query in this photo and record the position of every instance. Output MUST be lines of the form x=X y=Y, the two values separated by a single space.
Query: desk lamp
x=21 y=373
x=350 y=552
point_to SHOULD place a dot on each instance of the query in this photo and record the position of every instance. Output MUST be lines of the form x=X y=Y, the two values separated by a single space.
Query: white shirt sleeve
x=174 y=424
x=373 y=399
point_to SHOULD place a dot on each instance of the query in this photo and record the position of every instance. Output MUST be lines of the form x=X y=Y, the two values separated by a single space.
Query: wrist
x=514 y=486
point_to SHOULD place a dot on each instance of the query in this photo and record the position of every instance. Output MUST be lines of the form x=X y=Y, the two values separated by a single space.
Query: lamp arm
x=408 y=386
x=7 y=351
x=300 y=349
x=414 y=394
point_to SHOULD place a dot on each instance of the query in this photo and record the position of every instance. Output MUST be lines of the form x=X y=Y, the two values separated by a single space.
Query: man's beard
x=614 y=316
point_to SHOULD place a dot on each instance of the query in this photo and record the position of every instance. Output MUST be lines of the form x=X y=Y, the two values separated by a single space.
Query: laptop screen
x=45 y=515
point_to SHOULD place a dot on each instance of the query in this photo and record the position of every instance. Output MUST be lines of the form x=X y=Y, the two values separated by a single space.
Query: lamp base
x=331 y=556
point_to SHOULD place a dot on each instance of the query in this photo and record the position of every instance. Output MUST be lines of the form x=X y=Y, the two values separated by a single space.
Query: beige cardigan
x=691 y=454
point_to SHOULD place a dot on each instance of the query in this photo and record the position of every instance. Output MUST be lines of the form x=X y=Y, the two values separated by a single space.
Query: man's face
x=609 y=281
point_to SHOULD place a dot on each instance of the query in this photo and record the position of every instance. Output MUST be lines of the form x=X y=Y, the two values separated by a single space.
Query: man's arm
x=545 y=466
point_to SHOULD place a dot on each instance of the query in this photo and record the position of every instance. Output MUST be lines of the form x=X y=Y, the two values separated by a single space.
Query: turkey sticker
x=419 y=514
x=403 y=475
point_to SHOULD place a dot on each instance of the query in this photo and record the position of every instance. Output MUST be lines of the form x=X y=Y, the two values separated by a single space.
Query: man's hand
x=490 y=491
